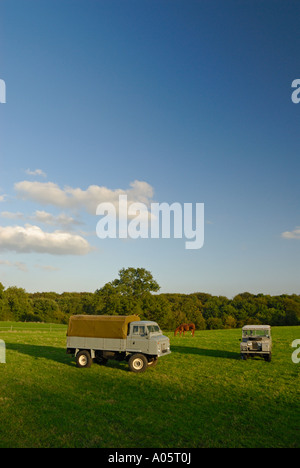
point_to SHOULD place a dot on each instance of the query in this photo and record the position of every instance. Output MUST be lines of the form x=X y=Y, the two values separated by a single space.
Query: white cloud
x=47 y=267
x=49 y=193
x=295 y=234
x=19 y=265
x=33 y=239
x=60 y=220
x=11 y=215
x=36 y=172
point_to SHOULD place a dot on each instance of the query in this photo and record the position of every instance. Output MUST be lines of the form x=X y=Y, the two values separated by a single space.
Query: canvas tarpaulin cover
x=100 y=326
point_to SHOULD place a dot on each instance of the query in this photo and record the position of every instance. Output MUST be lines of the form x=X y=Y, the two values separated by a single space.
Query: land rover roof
x=256 y=327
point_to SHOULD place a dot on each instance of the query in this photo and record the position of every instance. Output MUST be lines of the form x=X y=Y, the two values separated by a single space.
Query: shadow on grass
x=58 y=355
x=218 y=353
x=42 y=352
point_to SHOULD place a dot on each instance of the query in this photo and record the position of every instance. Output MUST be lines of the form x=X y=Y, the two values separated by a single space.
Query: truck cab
x=147 y=337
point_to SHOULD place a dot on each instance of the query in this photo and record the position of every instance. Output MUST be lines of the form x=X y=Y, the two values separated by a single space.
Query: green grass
x=202 y=395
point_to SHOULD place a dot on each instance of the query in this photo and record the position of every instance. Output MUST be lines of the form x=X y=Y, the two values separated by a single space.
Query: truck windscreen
x=153 y=329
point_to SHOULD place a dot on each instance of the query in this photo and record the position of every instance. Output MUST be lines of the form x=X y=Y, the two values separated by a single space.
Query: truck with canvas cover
x=97 y=338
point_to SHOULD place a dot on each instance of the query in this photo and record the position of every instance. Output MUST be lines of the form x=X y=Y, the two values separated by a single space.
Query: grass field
x=202 y=395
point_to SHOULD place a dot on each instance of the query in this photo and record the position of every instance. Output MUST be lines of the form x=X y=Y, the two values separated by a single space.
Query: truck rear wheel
x=83 y=359
x=138 y=363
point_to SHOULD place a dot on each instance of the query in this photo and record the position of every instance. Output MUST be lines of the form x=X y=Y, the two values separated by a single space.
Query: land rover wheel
x=83 y=359
x=138 y=363
x=268 y=357
x=153 y=362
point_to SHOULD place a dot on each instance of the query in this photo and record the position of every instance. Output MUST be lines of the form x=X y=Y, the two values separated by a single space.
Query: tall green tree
x=16 y=304
x=136 y=282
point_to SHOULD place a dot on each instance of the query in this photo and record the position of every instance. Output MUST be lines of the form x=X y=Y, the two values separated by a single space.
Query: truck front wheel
x=138 y=363
x=83 y=359
x=153 y=362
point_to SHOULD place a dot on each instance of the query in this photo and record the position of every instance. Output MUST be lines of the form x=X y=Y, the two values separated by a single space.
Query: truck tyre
x=268 y=357
x=138 y=363
x=153 y=362
x=83 y=359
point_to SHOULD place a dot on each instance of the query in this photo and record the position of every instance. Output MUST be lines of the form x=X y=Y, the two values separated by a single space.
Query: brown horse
x=185 y=327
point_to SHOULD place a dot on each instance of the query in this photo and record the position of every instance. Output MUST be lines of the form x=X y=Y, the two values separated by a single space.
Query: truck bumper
x=164 y=352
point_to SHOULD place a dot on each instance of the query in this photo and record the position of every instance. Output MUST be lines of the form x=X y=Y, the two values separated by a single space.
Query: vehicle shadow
x=57 y=355
x=218 y=353
x=42 y=352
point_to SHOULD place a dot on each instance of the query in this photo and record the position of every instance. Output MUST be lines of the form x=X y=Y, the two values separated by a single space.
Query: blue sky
x=166 y=101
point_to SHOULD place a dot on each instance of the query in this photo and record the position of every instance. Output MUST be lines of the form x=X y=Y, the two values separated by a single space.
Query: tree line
x=136 y=292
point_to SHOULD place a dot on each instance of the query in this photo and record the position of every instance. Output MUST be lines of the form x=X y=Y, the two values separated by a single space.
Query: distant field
x=202 y=395
x=30 y=326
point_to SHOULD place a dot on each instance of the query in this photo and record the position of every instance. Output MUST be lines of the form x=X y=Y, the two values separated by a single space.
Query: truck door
x=137 y=341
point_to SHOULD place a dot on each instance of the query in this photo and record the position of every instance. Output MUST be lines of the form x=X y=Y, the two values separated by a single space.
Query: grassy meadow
x=202 y=395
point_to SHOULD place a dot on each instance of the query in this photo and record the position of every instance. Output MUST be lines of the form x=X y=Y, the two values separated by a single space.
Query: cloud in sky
x=11 y=215
x=62 y=220
x=36 y=172
x=46 y=267
x=19 y=265
x=295 y=234
x=23 y=267
x=49 y=193
x=33 y=239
